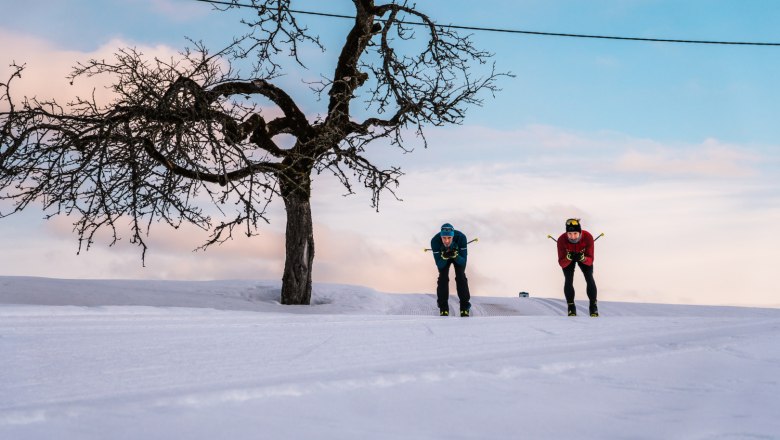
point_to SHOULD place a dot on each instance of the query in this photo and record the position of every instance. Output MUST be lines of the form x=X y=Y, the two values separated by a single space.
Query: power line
x=513 y=31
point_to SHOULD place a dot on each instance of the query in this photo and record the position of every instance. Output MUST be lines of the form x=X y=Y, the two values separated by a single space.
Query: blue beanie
x=447 y=230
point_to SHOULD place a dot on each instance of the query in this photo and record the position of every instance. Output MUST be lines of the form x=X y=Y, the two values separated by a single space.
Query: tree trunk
x=299 y=245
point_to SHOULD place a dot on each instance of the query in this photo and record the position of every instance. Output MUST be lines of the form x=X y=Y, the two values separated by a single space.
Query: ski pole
x=472 y=241
x=551 y=237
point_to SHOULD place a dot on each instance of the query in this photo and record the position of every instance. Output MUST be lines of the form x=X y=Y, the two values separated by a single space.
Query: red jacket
x=585 y=245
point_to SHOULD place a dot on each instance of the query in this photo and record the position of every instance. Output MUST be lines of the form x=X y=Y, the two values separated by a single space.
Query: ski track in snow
x=517 y=360
x=659 y=343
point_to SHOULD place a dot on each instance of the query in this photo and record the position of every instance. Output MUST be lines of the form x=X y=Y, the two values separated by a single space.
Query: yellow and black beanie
x=573 y=225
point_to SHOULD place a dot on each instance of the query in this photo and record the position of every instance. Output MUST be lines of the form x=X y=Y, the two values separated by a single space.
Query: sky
x=130 y=359
x=670 y=150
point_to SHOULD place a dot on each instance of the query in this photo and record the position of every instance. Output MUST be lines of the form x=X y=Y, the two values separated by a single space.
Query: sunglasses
x=572 y=222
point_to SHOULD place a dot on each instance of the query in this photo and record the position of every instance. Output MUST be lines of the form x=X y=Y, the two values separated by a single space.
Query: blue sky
x=670 y=149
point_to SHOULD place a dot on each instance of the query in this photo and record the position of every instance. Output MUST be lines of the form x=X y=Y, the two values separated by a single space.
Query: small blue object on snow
x=524 y=294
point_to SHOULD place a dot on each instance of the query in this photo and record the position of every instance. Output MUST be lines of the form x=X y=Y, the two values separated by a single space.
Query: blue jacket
x=459 y=241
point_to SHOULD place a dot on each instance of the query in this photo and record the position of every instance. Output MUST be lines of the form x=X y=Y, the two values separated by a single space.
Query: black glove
x=450 y=253
x=575 y=256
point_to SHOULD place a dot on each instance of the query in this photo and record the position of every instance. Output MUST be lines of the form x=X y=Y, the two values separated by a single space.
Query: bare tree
x=183 y=132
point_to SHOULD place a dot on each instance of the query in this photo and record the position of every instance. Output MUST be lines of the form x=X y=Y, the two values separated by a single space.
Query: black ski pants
x=461 y=283
x=568 y=286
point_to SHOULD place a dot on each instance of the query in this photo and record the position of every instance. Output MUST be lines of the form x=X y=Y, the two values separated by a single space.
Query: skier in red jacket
x=575 y=248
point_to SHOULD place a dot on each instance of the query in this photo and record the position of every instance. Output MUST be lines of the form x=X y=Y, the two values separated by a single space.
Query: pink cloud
x=47 y=67
x=710 y=159
x=166 y=240
x=666 y=241
x=343 y=256
x=552 y=150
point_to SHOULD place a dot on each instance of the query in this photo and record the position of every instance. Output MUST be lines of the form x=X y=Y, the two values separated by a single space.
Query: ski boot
x=572 y=309
x=465 y=313
x=444 y=312
x=594 y=310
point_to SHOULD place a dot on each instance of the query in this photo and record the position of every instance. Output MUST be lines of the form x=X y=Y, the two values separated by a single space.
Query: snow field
x=233 y=364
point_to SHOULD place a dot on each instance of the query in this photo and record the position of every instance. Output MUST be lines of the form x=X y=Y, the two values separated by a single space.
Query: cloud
x=370 y=259
x=603 y=155
x=676 y=241
x=679 y=239
x=710 y=159
x=173 y=251
x=688 y=236
x=47 y=67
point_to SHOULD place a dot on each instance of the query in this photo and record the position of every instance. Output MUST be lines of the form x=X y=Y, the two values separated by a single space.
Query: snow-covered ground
x=213 y=360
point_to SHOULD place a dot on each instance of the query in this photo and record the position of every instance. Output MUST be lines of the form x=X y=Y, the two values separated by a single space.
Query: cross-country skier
x=575 y=248
x=450 y=249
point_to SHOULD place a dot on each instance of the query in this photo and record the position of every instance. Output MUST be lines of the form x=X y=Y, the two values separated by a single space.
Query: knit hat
x=447 y=230
x=573 y=225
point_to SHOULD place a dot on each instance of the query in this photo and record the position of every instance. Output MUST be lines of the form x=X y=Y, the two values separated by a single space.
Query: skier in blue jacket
x=450 y=249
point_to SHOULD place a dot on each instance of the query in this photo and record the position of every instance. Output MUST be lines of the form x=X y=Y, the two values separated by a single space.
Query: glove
x=575 y=256
x=449 y=254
